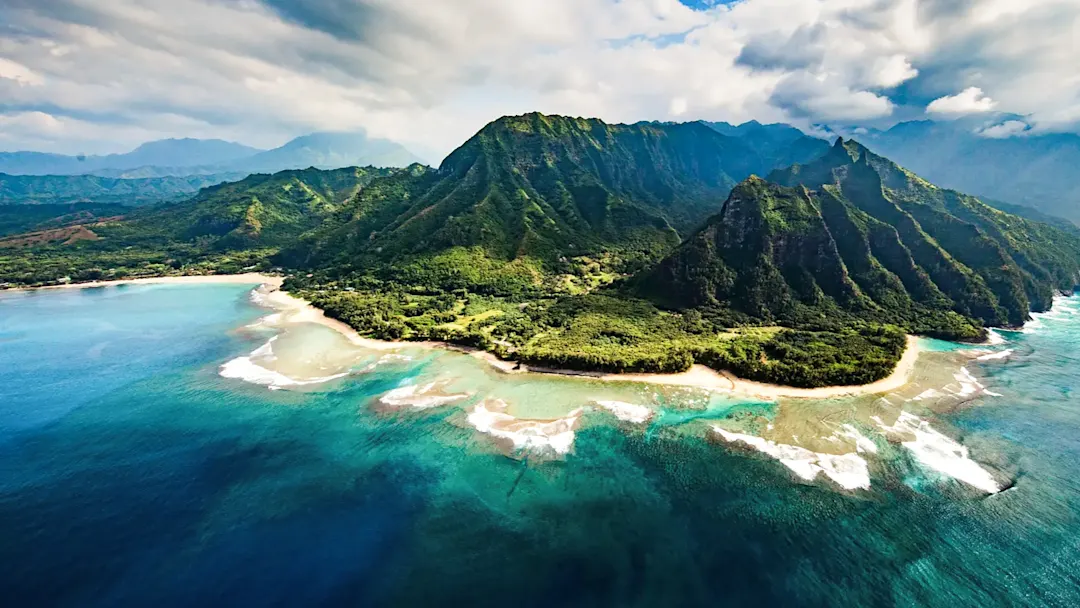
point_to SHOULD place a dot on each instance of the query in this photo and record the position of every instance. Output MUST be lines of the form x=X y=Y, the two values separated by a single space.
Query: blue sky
x=91 y=76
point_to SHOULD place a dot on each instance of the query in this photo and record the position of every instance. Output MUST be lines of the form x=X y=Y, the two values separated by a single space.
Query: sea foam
x=420 y=397
x=862 y=442
x=940 y=453
x=849 y=471
x=994 y=338
x=1005 y=354
x=540 y=437
x=627 y=412
x=246 y=369
x=969 y=385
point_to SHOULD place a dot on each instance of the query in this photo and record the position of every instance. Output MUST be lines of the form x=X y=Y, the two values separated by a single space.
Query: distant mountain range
x=328 y=151
x=159 y=155
x=187 y=157
x=1038 y=171
x=63 y=189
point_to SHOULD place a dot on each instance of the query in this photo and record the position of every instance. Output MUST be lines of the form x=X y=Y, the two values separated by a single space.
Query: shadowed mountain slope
x=855 y=234
x=546 y=187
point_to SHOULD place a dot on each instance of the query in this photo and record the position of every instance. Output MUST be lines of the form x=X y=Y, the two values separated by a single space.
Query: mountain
x=60 y=189
x=16 y=219
x=225 y=228
x=779 y=144
x=176 y=153
x=855 y=236
x=329 y=151
x=1038 y=171
x=188 y=157
x=544 y=188
x=572 y=243
x=181 y=153
x=261 y=209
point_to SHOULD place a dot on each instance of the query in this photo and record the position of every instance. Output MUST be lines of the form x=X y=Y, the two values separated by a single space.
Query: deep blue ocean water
x=132 y=474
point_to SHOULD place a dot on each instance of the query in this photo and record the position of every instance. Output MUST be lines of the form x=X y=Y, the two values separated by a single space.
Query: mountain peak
x=332 y=150
x=547 y=187
x=539 y=123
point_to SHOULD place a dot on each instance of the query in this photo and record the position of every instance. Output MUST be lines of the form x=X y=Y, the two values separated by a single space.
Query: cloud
x=678 y=106
x=969 y=101
x=47 y=132
x=18 y=73
x=1010 y=128
x=818 y=99
x=432 y=73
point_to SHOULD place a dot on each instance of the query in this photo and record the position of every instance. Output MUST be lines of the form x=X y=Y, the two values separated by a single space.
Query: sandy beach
x=698 y=376
x=296 y=310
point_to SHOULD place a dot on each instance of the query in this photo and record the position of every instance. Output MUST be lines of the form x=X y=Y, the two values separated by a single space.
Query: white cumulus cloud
x=969 y=101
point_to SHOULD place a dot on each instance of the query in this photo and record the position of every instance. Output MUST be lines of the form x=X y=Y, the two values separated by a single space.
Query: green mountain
x=546 y=187
x=854 y=236
x=224 y=228
x=1028 y=168
x=15 y=219
x=261 y=209
x=62 y=189
x=778 y=144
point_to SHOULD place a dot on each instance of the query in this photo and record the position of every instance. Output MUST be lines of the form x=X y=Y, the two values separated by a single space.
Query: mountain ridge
x=185 y=157
x=1031 y=169
x=881 y=243
x=552 y=186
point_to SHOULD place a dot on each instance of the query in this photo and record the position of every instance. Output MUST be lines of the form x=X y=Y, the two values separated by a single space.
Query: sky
x=100 y=76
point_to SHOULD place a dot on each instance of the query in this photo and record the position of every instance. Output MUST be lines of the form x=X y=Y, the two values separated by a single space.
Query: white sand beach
x=295 y=310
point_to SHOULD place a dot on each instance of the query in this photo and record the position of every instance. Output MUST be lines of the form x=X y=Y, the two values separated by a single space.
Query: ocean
x=163 y=445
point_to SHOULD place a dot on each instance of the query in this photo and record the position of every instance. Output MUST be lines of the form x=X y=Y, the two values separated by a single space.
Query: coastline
x=250 y=278
x=703 y=377
x=296 y=310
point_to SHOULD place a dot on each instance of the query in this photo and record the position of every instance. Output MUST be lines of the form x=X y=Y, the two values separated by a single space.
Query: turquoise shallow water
x=132 y=474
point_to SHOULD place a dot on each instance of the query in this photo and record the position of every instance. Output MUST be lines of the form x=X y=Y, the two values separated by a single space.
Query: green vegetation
x=59 y=189
x=544 y=188
x=229 y=228
x=618 y=335
x=16 y=219
x=557 y=242
x=1036 y=170
x=853 y=238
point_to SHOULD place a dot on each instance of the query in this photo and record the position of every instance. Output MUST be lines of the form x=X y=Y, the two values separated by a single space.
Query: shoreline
x=249 y=278
x=698 y=376
x=704 y=377
x=296 y=310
